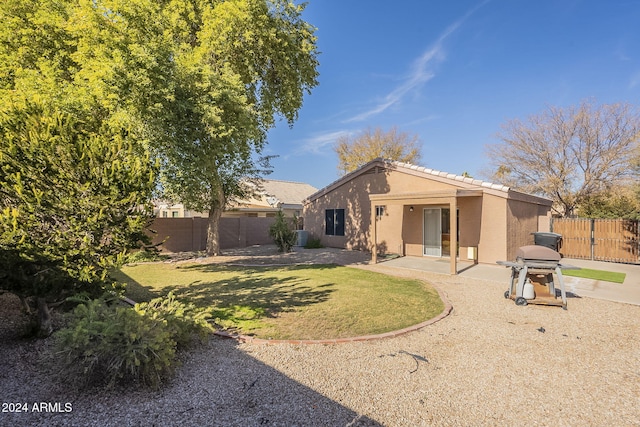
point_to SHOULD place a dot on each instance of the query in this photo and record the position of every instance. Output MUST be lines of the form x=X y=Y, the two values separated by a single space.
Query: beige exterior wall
x=389 y=230
x=492 y=224
x=394 y=236
x=353 y=197
x=492 y=245
x=412 y=232
x=405 y=236
x=470 y=220
x=171 y=211
x=544 y=219
x=411 y=244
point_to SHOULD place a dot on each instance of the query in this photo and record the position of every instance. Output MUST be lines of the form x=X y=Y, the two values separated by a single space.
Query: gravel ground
x=489 y=362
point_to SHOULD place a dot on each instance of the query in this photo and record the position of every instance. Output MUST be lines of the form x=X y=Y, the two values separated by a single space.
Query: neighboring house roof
x=453 y=179
x=288 y=192
x=280 y=194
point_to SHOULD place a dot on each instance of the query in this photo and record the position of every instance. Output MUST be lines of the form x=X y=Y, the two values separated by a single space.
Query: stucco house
x=392 y=207
x=167 y=209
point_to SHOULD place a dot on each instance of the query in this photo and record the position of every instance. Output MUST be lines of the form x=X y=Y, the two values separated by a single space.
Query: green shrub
x=184 y=321
x=144 y=255
x=282 y=233
x=109 y=344
x=313 y=242
x=74 y=193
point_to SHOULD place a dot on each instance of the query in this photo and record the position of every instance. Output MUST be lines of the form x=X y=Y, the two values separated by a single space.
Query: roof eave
x=424 y=172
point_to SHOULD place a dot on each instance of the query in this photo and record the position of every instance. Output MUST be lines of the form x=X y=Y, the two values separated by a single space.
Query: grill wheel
x=521 y=301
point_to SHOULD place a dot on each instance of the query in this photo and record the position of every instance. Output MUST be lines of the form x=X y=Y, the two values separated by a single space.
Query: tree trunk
x=213 y=225
x=25 y=305
x=213 y=232
x=45 y=327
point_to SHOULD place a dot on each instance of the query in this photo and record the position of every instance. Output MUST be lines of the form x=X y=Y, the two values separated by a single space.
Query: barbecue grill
x=535 y=265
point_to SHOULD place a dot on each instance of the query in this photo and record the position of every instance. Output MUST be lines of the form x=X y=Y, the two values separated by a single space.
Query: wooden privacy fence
x=614 y=240
x=190 y=234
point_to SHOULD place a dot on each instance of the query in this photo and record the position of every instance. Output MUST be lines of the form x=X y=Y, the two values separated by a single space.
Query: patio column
x=453 y=235
x=374 y=235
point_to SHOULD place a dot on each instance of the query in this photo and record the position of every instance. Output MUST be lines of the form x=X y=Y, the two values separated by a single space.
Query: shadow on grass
x=134 y=290
x=243 y=294
x=254 y=287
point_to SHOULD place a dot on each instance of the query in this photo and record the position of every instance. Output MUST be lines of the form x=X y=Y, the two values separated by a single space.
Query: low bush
x=313 y=242
x=282 y=233
x=144 y=255
x=108 y=344
x=184 y=321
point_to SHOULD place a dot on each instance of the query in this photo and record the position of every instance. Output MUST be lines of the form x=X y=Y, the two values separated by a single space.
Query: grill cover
x=537 y=253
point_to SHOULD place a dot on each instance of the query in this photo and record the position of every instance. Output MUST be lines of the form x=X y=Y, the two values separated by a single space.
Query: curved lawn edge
x=448 y=307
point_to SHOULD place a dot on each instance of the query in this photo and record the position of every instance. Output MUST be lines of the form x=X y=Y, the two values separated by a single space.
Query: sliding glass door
x=432 y=232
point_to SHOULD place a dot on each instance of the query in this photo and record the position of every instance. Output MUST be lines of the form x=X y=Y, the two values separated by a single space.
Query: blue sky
x=452 y=72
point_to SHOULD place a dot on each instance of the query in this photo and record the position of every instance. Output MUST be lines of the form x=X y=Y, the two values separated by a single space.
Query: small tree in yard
x=282 y=233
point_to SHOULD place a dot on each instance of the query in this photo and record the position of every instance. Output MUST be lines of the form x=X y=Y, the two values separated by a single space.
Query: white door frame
x=432 y=232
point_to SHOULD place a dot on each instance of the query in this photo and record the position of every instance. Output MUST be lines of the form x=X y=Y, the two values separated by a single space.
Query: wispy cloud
x=318 y=143
x=421 y=72
x=419 y=120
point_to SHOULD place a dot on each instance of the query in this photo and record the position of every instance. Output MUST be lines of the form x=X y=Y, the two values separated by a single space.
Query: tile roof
x=288 y=192
x=446 y=175
x=459 y=180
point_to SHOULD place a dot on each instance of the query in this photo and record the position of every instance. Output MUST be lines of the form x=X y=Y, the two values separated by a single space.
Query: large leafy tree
x=569 y=154
x=110 y=59
x=240 y=65
x=75 y=173
x=195 y=82
x=355 y=151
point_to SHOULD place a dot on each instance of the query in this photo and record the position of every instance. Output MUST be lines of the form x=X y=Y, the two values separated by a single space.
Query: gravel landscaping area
x=489 y=362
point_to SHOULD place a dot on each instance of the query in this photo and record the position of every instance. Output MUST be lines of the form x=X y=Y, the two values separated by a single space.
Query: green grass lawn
x=290 y=302
x=607 y=276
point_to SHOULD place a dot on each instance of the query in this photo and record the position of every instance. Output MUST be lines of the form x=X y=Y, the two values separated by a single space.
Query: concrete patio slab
x=627 y=292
